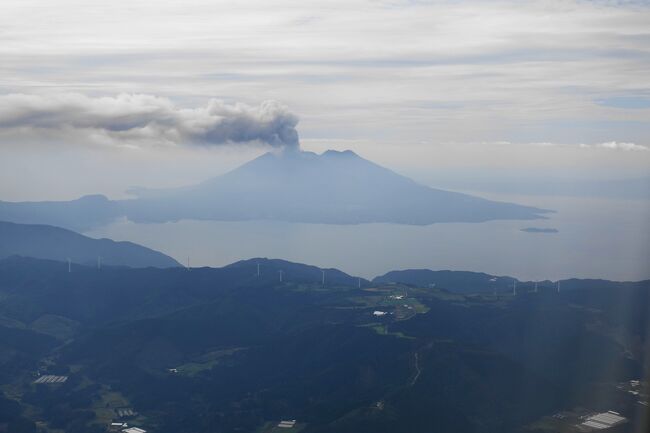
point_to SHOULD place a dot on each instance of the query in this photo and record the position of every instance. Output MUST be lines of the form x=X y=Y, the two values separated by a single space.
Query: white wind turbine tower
x=280 y=271
x=558 y=286
x=323 y=272
x=359 y=282
x=535 y=286
x=258 y=270
x=69 y=265
x=514 y=288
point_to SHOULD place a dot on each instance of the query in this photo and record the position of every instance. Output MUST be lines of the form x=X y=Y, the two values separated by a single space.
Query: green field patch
x=58 y=327
x=367 y=301
x=382 y=329
x=106 y=406
x=206 y=361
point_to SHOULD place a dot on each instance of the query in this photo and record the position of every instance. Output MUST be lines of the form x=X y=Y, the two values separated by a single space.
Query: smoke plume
x=138 y=119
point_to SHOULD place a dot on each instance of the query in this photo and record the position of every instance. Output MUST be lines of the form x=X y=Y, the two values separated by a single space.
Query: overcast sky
x=95 y=98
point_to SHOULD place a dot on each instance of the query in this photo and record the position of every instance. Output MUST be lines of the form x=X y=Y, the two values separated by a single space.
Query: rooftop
x=605 y=420
x=49 y=378
x=133 y=430
x=287 y=424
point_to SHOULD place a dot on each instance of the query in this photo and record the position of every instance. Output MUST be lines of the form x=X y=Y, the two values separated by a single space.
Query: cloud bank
x=616 y=145
x=610 y=145
x=140 y=119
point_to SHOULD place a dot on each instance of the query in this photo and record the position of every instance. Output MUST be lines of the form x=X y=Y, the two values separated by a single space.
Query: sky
x=100 y=97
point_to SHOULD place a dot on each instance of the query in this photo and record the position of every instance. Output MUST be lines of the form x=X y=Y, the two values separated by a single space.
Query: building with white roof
x=604 y=420
x=287 y=424
x=50 y=378
x=133 y=430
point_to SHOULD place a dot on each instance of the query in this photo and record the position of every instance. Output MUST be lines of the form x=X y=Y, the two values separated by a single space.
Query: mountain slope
x=454 y=281
x=81 y=214
x=54 y=243
x=32 y=288
x=467 y=282
x=225 y=350
x=332 y=188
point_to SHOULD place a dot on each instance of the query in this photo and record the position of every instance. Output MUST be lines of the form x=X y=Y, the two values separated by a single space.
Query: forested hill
x=240 y=348
x=55 y=243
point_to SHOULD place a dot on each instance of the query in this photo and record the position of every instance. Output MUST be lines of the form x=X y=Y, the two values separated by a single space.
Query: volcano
x=293 y=186
x=332 y=188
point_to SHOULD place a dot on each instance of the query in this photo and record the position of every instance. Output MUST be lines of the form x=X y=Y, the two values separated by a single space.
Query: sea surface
x=596 y=238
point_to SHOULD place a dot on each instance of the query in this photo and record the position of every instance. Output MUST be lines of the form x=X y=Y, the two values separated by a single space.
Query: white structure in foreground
x=48 y=378
x=117 y=426
x=133 y=430
x=605 y=420
x=287 y=424
x=125 y=412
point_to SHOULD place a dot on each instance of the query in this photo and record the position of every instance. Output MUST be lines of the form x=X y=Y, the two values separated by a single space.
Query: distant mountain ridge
x=467 y=282
x=331 y=188
x=88 y=295
x=298 y=272
x=55 y=243
x=454 y=281
x=79 y=215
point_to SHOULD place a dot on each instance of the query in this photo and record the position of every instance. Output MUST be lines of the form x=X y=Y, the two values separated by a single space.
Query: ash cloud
x=139 y=119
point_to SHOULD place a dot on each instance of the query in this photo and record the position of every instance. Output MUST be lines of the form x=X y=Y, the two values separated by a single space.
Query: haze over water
x=597 y=238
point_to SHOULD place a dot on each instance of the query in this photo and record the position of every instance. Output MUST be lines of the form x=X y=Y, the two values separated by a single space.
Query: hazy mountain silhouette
x=454 y=281
x=332 y=188
x=335 y=187
x=55 y=243
x=467 y=282
x=80 y=214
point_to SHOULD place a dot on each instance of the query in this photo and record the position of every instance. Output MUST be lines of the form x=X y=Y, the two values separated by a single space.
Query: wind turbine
x=359 y=282
x=280 y=271
x=323 y=272
x=69 y=265
x=258 y=270
x=514 y=288
x=535 y=286
x=558 y=286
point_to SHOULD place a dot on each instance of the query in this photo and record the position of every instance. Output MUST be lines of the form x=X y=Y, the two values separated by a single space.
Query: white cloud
x=393 y=79
x=137 y=119
x=616 y=145
x=611 y=145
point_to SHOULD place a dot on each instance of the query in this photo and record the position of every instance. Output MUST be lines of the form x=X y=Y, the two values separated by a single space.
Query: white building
x=605 y=420
x=49 y=378
x=287 y=424
x=133 y=430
